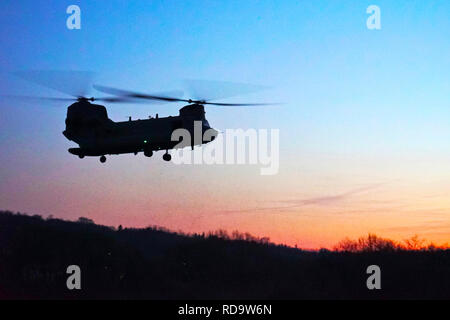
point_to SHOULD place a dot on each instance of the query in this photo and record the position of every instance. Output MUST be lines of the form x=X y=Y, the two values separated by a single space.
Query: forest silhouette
x=155 y=263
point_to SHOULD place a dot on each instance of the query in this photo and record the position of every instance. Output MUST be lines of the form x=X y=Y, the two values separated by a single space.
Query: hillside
x=157 y=264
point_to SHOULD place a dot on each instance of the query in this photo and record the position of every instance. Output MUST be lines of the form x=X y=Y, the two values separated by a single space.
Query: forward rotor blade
x=166 y=96
x=74 y=83
x=36 y=98
x=102 y=99
x=115 y=99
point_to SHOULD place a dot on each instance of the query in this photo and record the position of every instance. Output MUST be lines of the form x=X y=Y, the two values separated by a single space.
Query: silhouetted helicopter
x=89 y=126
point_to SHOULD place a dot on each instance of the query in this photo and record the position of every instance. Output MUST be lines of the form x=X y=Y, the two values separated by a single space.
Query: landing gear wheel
x=148 y=153
x=102 y=159
x=81 y=156
x=167 y=157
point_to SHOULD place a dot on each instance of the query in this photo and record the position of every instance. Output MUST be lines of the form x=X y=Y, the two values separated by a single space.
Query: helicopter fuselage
x=88 y=125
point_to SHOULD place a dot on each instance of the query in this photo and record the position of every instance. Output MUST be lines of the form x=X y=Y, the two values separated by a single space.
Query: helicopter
x=88 y=125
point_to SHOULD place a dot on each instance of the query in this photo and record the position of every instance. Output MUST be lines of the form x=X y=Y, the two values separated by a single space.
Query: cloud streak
x=314 y=201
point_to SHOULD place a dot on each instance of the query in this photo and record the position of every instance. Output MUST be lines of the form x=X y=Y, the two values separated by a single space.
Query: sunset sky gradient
x=364 y=133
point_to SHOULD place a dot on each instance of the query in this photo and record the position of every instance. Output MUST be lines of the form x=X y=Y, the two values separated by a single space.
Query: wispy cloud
x=328 y=200
x=314 y=201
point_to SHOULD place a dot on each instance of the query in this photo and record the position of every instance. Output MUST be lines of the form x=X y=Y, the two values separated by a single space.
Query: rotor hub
x=80 y=99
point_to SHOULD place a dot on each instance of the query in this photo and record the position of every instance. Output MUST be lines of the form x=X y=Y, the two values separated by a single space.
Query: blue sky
x=362 y=106
x=319 y=55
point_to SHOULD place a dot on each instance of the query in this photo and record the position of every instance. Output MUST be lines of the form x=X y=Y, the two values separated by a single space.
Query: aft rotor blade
x=206 y=90
x=239 y=104
x=166 y=96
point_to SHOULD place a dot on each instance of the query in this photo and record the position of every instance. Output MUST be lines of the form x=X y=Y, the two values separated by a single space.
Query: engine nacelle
x=194 y=111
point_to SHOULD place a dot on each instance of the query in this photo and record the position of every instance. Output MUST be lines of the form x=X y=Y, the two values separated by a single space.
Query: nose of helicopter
x=214 y=134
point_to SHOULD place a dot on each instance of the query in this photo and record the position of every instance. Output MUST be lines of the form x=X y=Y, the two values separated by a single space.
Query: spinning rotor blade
x=113 y=99
x=214 y=90
x=37 y=98
x=74 y=83
x=104 y=99
x=238 y=104
x=166 y=96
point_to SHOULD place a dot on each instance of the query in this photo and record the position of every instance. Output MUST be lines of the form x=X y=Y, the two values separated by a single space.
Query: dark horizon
x=361 y=244
x=154 y=264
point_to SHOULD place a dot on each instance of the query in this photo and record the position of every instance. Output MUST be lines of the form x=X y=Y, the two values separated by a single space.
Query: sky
x=364 y=128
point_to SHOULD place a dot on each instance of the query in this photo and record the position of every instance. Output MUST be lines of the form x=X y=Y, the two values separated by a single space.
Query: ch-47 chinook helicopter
x=88 y=124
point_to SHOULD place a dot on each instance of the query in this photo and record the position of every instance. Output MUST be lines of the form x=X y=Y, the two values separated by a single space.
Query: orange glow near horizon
x=293 y=207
